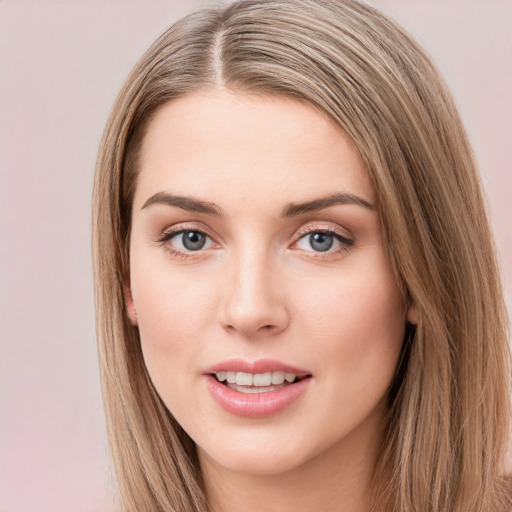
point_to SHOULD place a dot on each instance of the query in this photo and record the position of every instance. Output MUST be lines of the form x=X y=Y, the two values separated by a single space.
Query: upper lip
x=257 y=366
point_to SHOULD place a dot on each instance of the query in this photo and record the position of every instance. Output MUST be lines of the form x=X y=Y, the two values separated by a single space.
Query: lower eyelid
x=345 y=243
x=164 y=239
x=209 y=242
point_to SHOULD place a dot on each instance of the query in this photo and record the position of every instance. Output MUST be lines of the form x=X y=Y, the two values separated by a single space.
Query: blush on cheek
x=174 y=305
x=361 y=323
x=175 y=318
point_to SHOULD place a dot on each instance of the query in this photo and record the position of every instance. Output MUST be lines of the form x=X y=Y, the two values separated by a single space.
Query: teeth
x=262 y=379
x=277 y=377
x=256 y=379
x=252 y=389
x=244 y=379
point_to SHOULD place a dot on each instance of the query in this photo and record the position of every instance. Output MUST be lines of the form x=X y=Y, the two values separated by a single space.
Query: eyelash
x=177 y=230
x=346 y=243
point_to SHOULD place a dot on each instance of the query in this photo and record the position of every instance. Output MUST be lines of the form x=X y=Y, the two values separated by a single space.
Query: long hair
x=447 y=425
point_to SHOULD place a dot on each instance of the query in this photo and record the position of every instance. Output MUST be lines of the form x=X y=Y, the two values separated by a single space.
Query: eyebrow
x=293 y=209
x=290 y=210
x=185 y=203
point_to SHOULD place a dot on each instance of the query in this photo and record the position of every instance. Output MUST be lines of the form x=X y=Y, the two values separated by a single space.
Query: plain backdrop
x=61 y=65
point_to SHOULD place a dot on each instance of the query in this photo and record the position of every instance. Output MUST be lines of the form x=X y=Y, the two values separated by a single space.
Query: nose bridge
x=253 y=300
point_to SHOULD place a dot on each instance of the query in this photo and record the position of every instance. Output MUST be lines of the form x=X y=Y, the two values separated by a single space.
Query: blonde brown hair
x=448 y=420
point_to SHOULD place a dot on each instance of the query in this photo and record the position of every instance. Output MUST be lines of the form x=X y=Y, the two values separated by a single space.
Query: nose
x=253 y=300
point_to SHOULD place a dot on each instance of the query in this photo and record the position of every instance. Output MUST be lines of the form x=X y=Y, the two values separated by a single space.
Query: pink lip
x=258 y=366
x=255 y=405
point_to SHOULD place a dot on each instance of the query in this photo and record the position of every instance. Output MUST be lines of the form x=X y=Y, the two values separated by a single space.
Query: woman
x=298 y=303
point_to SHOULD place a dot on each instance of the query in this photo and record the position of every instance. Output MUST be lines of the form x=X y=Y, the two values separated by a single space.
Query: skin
x=258 y=289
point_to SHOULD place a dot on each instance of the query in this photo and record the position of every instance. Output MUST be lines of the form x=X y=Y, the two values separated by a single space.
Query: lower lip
x=255 y=405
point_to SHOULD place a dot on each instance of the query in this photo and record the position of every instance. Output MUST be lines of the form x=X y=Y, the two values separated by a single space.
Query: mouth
x=245 y=382
x=256 y=389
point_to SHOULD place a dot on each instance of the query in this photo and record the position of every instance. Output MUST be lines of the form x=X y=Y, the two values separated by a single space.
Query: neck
x=339 y=479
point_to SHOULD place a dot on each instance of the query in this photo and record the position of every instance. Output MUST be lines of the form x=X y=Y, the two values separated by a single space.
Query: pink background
x=61 y=65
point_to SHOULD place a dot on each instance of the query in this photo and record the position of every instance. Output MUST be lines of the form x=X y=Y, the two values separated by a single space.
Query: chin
x=260 y=460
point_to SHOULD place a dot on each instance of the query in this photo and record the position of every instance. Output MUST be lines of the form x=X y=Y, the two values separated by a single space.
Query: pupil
x=193 y=240
x=321 y=241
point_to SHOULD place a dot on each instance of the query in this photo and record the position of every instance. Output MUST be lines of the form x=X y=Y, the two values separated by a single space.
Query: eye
x=323 y=241
x=188 y=240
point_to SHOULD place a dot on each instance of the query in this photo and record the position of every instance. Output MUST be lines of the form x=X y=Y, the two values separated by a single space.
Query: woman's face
x=256 y=256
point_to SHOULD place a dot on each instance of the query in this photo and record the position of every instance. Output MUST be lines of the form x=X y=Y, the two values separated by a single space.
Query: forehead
x=230 y=147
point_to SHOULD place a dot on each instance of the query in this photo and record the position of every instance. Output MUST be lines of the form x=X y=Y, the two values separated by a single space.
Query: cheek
x=173 y=311
x=359 y=323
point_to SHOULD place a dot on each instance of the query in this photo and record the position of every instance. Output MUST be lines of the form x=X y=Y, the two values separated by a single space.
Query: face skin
x=260 y=288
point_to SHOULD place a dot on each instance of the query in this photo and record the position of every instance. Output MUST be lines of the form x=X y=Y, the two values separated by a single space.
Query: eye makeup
x=318 y=241
x=194 y=241
x=327 y=240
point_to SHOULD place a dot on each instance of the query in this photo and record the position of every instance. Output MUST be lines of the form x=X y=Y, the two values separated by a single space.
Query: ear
x=412 y=314
x=130 y=307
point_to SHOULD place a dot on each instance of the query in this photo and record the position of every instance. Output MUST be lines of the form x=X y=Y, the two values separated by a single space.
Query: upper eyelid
x=176 y=229
x=169 y=233
x=327 y=227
